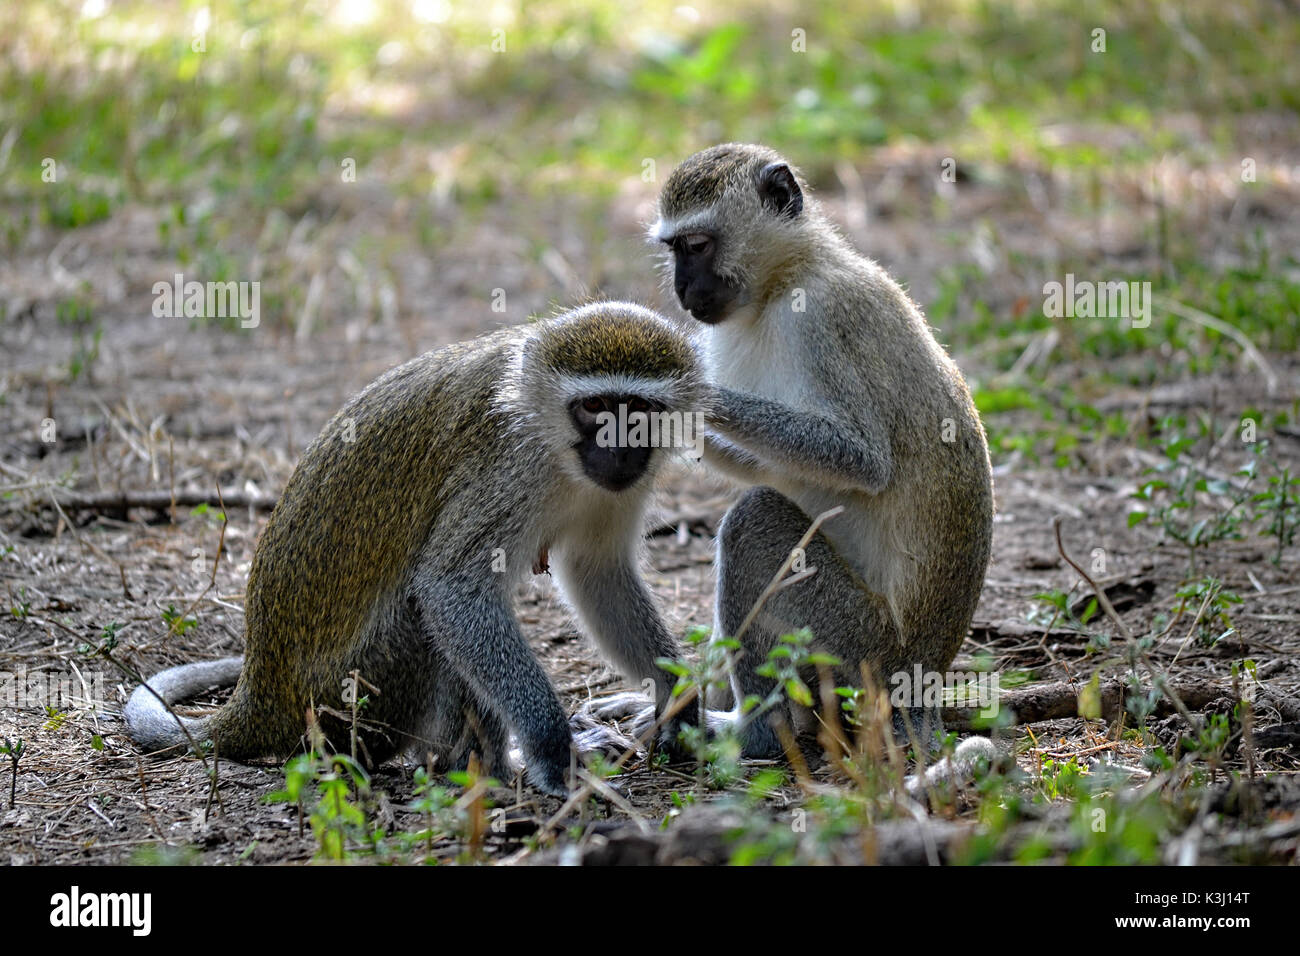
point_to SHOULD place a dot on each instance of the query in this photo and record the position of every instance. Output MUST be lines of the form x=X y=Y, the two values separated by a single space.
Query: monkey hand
x=548 y=776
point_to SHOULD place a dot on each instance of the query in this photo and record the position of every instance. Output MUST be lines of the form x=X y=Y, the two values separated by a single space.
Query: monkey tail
x=973 y=757
x=152 y=726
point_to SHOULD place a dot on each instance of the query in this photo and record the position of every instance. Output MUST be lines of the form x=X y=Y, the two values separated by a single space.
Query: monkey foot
x=598 y=738
x=618 y=706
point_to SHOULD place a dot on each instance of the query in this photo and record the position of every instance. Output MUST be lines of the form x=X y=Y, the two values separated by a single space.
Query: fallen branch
x=119 y=502
x=1059 y=700
x=1223 y=328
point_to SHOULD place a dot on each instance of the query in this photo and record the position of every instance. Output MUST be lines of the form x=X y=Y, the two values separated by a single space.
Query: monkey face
x=613 y=443
x=711 y=212
x=703 y=293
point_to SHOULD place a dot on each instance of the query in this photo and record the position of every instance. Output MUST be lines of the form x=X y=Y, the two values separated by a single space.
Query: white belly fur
x=751 y=357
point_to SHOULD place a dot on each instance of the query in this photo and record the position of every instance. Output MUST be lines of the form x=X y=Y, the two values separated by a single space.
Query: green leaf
x=825 y=659
x=1090 y=698
x=798 y=692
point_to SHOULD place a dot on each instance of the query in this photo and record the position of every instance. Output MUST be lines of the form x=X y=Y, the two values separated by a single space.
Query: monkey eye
x=593 y=405
x=638 y=405
x=697 y=243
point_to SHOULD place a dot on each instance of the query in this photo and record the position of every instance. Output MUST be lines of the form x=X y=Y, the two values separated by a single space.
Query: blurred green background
x=116 y=91
x=526 y=127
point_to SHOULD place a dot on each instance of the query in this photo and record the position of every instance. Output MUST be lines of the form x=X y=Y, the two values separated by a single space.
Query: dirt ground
x=168 y=406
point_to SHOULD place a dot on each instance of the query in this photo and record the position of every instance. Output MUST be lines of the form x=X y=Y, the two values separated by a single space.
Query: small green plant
x=160 y=854
x=680 y=801
x=1061 y=779
x=57 y=718
x=107 y=641
x=1177 y=498
x=717 y=755
x=15 y=749
x=339 y=787
x=1210 y=602
x=448 y=813
x=1277 y=507
x=79 y=313
x=211 y=515
x=177 y=624
x=1058 y=610
x=1208 y=742
x=785 y=664
x=438 y=806
x=21 y=607
x=709 y=668
x=1119 y=830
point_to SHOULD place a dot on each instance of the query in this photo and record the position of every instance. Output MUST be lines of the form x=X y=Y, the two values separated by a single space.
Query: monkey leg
x=460 y=727
x=391 y=681
x=847 y=619
x=469 y=622
x=416 y=701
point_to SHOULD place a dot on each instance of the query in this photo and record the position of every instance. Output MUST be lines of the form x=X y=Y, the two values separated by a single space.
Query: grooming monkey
x=396 y=554
x=829 y=389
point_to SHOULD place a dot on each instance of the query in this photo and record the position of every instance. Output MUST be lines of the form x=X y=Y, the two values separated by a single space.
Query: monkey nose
x=694 y=302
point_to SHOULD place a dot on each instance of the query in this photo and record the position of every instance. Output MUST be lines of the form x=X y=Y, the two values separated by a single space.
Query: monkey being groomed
x=828 y=389
x=398 y=541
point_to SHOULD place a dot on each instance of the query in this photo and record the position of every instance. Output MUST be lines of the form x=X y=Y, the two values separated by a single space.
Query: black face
x=609 y=464
x=702 y=293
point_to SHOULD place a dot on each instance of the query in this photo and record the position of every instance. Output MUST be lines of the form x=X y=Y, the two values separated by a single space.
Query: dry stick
x=51 y=622
x=357 y=724
x=214 y=791
x=15 y=749
x=1247 y=724
x=1108 y=745
x=830 y=730
x=681 y=702
x=144 y=794
x=161 y=500
x=216 y=561
x=1195 y=623
x=1058 y=700
x=1161 y=684
x=171 y=474
x=85 y=545
x=85 y=689
x=121 y=431
x=1223 y=328
x=614 y=797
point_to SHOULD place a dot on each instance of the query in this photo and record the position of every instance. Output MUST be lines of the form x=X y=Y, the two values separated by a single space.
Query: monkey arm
x=620 y=614
x=824 y=450
x=734 y=462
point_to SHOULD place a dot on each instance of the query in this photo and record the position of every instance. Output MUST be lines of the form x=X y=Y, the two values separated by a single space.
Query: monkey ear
x=779 y=191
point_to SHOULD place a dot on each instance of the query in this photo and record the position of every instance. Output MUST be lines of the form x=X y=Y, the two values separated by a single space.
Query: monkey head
x=614 y=388
x=731 y=218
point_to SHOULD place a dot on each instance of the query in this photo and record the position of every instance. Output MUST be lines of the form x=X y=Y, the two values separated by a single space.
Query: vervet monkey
x=829 y=389
x=401 y=535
